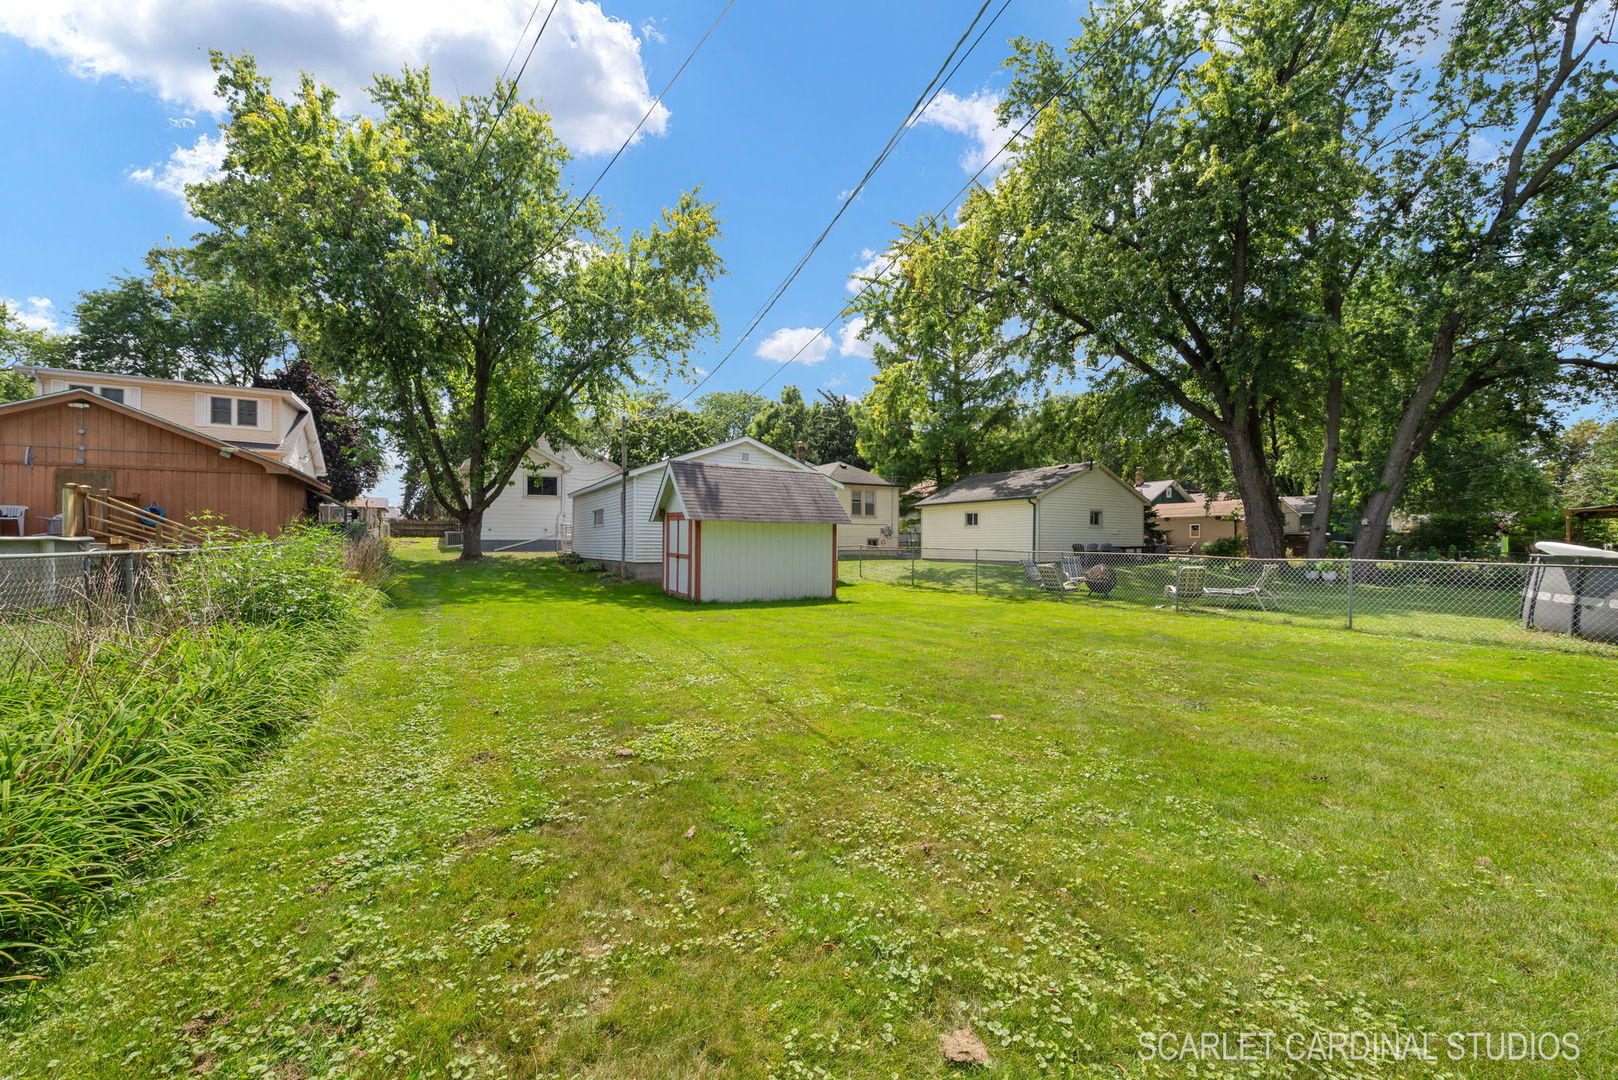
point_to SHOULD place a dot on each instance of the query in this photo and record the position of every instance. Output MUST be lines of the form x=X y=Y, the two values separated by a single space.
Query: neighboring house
x=601 y=532
x=1202 y=521
x=1156 y=492
x=88 y=437
x=914 y=494
x=1210 y=518
x=271 y=423
x=535 y=512
x=733 y=533
x=1046 y=509
x=873 y=506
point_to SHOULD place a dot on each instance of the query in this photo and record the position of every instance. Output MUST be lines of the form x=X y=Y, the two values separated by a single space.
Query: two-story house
x=247 y=455
x=872 y=504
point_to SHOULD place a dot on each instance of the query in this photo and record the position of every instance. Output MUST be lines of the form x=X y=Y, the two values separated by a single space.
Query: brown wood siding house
x=79 y=437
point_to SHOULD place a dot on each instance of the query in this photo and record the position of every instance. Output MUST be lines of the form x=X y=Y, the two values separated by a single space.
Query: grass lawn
x=552 y=827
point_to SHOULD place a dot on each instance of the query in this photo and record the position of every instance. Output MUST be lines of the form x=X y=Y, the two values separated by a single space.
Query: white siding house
x=600 y=532
x=731 y=533
x=535 y=511
x=1045 y=509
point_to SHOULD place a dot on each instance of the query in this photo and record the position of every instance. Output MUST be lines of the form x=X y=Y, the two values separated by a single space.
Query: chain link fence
x=1492 y=602
x=56 y=606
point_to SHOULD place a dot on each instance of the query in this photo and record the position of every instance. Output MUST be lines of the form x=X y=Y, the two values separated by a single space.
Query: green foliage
x=727 y=414
x=782 y=424
x=20 y=345
x=1226 y=546
x=105 y=756
x=187 y=317
x=446 y=269
x=353 y=458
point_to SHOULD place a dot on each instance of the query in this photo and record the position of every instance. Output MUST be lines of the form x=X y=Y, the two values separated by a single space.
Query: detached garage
x=732 y=533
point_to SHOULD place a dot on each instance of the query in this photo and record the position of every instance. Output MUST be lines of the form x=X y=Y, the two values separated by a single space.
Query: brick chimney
x=799 y=450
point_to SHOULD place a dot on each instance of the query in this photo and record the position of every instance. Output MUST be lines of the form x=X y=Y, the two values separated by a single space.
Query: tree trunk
x=471 y=523
x=1409 y=437
x=1261 y=506
x=1320 y=530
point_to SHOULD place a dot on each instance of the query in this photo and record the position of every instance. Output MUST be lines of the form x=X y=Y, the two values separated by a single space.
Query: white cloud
x=975 y=118
x=35 y=313
x=185 y=165
x=808 y=345
x=587 y=69
x=650 y=32
x=849 y=342
x=182 y=122
x=875 y=265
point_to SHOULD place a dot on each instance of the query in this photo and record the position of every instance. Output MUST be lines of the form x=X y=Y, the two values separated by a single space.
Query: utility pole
x=623 y=496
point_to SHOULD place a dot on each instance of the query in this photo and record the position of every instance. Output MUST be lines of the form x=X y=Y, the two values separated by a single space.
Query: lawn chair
x=1051 y=580
x=1259 y=592
x=1073 y=567
x=1187 y=586
x=14 y=513
x=1031 y=572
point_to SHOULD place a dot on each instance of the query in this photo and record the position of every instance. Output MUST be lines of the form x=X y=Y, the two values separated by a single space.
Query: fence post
x=1176 y=586
x=974 y=571
x=1350 y=594
x=913 y=556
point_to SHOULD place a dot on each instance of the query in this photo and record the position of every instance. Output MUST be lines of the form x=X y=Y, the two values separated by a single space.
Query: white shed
x=1046 y=509
x=733 y=533
x=599 y=532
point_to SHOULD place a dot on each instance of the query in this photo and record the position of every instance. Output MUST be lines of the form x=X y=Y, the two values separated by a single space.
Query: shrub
x=1226 y=546
x=109 y=749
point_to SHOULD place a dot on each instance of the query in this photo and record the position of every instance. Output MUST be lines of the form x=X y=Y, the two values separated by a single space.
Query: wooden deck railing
x=96 y=512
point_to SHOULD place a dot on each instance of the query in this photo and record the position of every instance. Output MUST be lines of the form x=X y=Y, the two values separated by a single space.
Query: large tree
x=186 y=317
x=943 y=403
x=727 y=414
x=782 y=424
x=1289 y=221
x=435 y=252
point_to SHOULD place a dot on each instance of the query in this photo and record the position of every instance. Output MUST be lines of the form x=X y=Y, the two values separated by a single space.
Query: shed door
x=677 y=555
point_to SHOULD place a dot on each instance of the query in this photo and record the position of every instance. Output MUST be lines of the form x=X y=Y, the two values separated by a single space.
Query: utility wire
x=944 y=209
x=928 y=93
x=511 y=91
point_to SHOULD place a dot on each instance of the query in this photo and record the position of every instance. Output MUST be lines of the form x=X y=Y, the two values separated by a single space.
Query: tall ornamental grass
x=106 y=755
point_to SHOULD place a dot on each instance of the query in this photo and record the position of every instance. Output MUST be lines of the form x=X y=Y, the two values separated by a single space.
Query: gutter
x=1034 y=540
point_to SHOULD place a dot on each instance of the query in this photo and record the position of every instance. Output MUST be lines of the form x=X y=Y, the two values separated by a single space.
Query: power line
x=511 y=92
x=551 y=244
x=942 y=210
x=928 y=93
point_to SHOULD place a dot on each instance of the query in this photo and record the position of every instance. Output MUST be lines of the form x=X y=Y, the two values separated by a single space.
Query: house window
x=1095 y=519
x=80 y=386
x=870 y=504
x=1196 y=530
x=971 y=519
x=872 y=541
x=233 y=412
x=598 y=518
x=112 y=393
x=541 y=485
x=854 y=504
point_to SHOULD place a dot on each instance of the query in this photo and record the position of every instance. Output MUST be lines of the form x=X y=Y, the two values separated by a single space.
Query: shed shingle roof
x=1018 y=484
x=739 y=493
x=845 y=473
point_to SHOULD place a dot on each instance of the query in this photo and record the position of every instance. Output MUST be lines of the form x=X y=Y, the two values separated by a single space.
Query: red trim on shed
x=671 y=567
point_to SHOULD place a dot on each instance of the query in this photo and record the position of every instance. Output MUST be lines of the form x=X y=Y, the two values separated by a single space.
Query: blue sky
x=776 y=119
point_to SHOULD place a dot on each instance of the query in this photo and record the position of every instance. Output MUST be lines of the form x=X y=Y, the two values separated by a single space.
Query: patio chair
x=1073 y=567
x=1187 y=585
x=1259 y=592
x=14 y=513
x=1031 y=572
x=1051 y=580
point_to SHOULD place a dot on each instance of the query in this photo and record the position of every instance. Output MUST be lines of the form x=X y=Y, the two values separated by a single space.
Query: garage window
x=971 y=519
x=1095 y=519
x=598 y=518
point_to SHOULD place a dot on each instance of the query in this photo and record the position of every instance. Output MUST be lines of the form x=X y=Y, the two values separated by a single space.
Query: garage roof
x=740 y=493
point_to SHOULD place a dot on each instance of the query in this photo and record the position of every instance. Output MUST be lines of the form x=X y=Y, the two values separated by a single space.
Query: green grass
x=847 y=827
